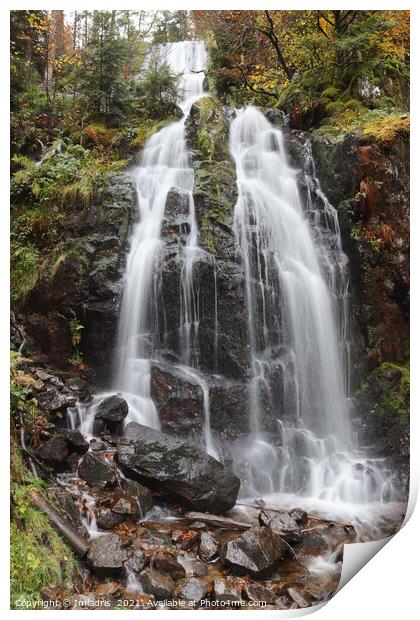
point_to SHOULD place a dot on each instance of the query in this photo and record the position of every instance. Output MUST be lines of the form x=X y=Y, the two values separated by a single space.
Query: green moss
x=386 y=128
x=38 y=556
x=330 y=93
x=24 y=270
x=147 y=128
x=397 y=397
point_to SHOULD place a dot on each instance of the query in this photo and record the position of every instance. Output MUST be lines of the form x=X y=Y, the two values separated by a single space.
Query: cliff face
x=367 y=178
x=79 y=285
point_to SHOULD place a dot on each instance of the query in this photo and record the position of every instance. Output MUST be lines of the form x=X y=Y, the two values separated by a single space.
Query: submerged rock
x=177 y=469
x=256 y=551
x=106 y=556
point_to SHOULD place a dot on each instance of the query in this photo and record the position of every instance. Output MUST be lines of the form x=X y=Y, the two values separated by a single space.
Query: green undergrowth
x=380 y=125
x=146 y=128
x=38 y=556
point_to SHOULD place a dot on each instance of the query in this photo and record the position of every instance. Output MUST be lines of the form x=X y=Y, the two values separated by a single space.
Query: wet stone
x=140 y=494
x=54 y=450
x=137 y=561
x=106 y=556
x=108 y=520
x=227 y=589
x=125 y=506
x=166 y=563
x=193 y=590
x=258 y=592
x=112 y=410
x=257 y=551
x=281 y=523
x=209 y=547
x=176 y=468
x=199 y=569
x=97 y=470
x=158 y=584
x=75 y=440
x=298 y=515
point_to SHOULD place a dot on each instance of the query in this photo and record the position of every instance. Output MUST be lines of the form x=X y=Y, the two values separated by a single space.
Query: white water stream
x=296 y=296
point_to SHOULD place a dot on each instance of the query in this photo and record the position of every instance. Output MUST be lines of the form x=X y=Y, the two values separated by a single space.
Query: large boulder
x=177 y=469
x=256 y=552
x=54 y=450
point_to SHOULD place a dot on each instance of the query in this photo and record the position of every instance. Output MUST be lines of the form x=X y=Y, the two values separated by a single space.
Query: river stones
x=166 y=563
x=255 y=552
x=193 y=590
x=97 y=470
x=177 y=469
x=209 y=547
x=281 y=523
x=106 y=556
x=257 y=592
x=227 y=589
x=160 y=585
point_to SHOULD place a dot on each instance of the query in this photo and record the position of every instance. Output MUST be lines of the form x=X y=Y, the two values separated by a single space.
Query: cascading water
x=301 y=442
x=296 y=296
x=165 y=167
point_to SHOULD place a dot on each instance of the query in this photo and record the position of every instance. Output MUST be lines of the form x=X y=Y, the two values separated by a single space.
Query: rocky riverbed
x=159 y=521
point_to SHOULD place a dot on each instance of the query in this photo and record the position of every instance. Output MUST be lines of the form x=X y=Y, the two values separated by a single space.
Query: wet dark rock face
x=179 y=469
x=368 y=181
x=82 y=278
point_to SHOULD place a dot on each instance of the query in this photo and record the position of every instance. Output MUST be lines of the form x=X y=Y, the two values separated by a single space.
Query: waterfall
x=296 y=297
x=165 y=167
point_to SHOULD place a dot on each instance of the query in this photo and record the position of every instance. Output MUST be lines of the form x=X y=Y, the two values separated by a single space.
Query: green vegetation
x=316 y=64
x=39 y=557
x=397 y=397
x=76 y=335
x=78 y=116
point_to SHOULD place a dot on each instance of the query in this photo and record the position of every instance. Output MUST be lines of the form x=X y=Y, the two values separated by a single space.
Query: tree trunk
x=76 y=542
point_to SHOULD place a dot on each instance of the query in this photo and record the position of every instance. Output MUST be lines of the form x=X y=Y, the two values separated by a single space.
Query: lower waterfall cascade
x=302 y=448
